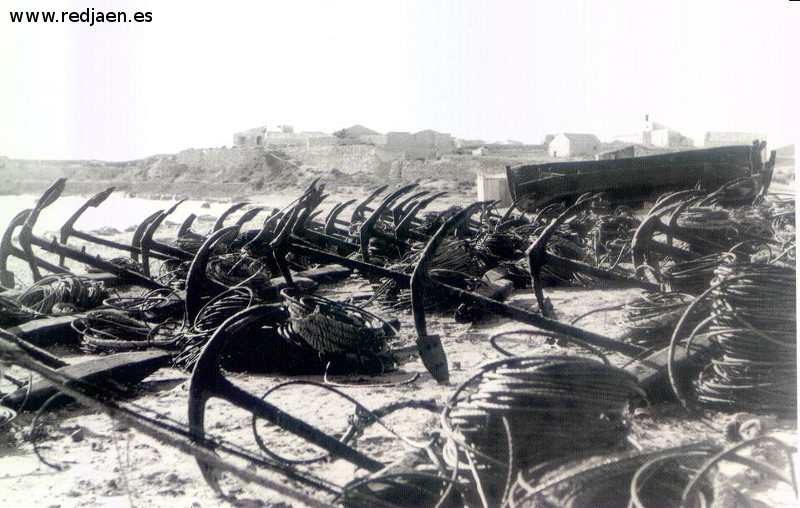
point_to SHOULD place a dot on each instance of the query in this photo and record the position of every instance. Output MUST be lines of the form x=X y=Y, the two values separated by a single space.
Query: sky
x=494 y=70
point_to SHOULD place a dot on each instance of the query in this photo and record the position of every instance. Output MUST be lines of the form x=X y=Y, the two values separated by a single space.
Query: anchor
x=68 y=229
x=420 y=281
x=149 y=245
x=192 y=441
x=27 y=240
x=407 y=220
x=538 y=257
x=368 y=227
x=332 y=220
x=8 y=249
x=208 y=381
x=645 y=247
x=430 y=347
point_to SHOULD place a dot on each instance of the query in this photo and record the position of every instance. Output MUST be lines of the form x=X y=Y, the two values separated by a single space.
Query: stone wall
x=349 y=159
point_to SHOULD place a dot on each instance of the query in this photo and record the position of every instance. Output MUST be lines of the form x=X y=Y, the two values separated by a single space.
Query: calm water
x=118 y=212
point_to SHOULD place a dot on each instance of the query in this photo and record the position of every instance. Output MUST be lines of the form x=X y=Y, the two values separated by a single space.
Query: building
x=480 y=151
x=494 y=187
x=573 y=145
x=656 y=134
x=713 y=138
x=468 y=143
x=283 y=137
x=668 y=138
x=355 y=132
x=425 y=144
x=250 y=138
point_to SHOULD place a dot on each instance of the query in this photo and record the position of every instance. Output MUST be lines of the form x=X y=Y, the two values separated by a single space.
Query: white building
x=656 y=134
x=573 y=145
x=494 y=187
x=732 y=138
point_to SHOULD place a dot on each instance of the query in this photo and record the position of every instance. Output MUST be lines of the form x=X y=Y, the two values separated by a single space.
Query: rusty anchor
x=27 y=240
x=538 y=257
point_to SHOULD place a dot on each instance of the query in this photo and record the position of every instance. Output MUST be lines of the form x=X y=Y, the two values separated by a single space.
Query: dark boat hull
x=632 y=179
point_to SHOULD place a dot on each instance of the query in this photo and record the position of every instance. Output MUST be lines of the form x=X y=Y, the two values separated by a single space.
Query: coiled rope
x=651 y=317
x=753 y=325
x=210 y=317
x=693 y=277
x=339 y=330
x=106 y=330
x=522 y=411
x=63 y=292
x=238 y=270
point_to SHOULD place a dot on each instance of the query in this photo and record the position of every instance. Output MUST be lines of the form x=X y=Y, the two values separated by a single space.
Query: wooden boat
x=634 y=179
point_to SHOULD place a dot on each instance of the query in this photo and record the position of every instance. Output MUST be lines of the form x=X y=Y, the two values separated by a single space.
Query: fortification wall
x=348 y=159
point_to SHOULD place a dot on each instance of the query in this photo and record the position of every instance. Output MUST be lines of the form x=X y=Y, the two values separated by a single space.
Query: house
x=732 y=138
x=356 y=131
x=468 y=143
x=573 y=145
x=420 y=145
x=285 y=136
x=668 y=138
x=656 y=134
x=250 y=138
x=480 y=151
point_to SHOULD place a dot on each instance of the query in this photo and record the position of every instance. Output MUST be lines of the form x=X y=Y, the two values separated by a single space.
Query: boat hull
x=534 y=186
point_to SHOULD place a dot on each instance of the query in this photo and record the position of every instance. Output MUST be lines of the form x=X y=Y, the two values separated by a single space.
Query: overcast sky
x=477 y=69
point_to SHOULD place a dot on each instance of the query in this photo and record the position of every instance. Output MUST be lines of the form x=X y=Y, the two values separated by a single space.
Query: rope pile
x=683 y=476
x=693 y=277
x=107 y=330
x=172 y=273
x=210 y=317
x=455 y=263
x=753 y=221
x=564 y=247
x=63 y=292
x=339 y=331
x=606 y=480
x=499 y=247
x=432 y=221
x=393 y=298
x=611 y=237
x=523 y=411
x=382 y=249
x=651 y=317
x=705 y=219
x=754 y=324
x=782 y=218
x=154 y=306
x=238 y=270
